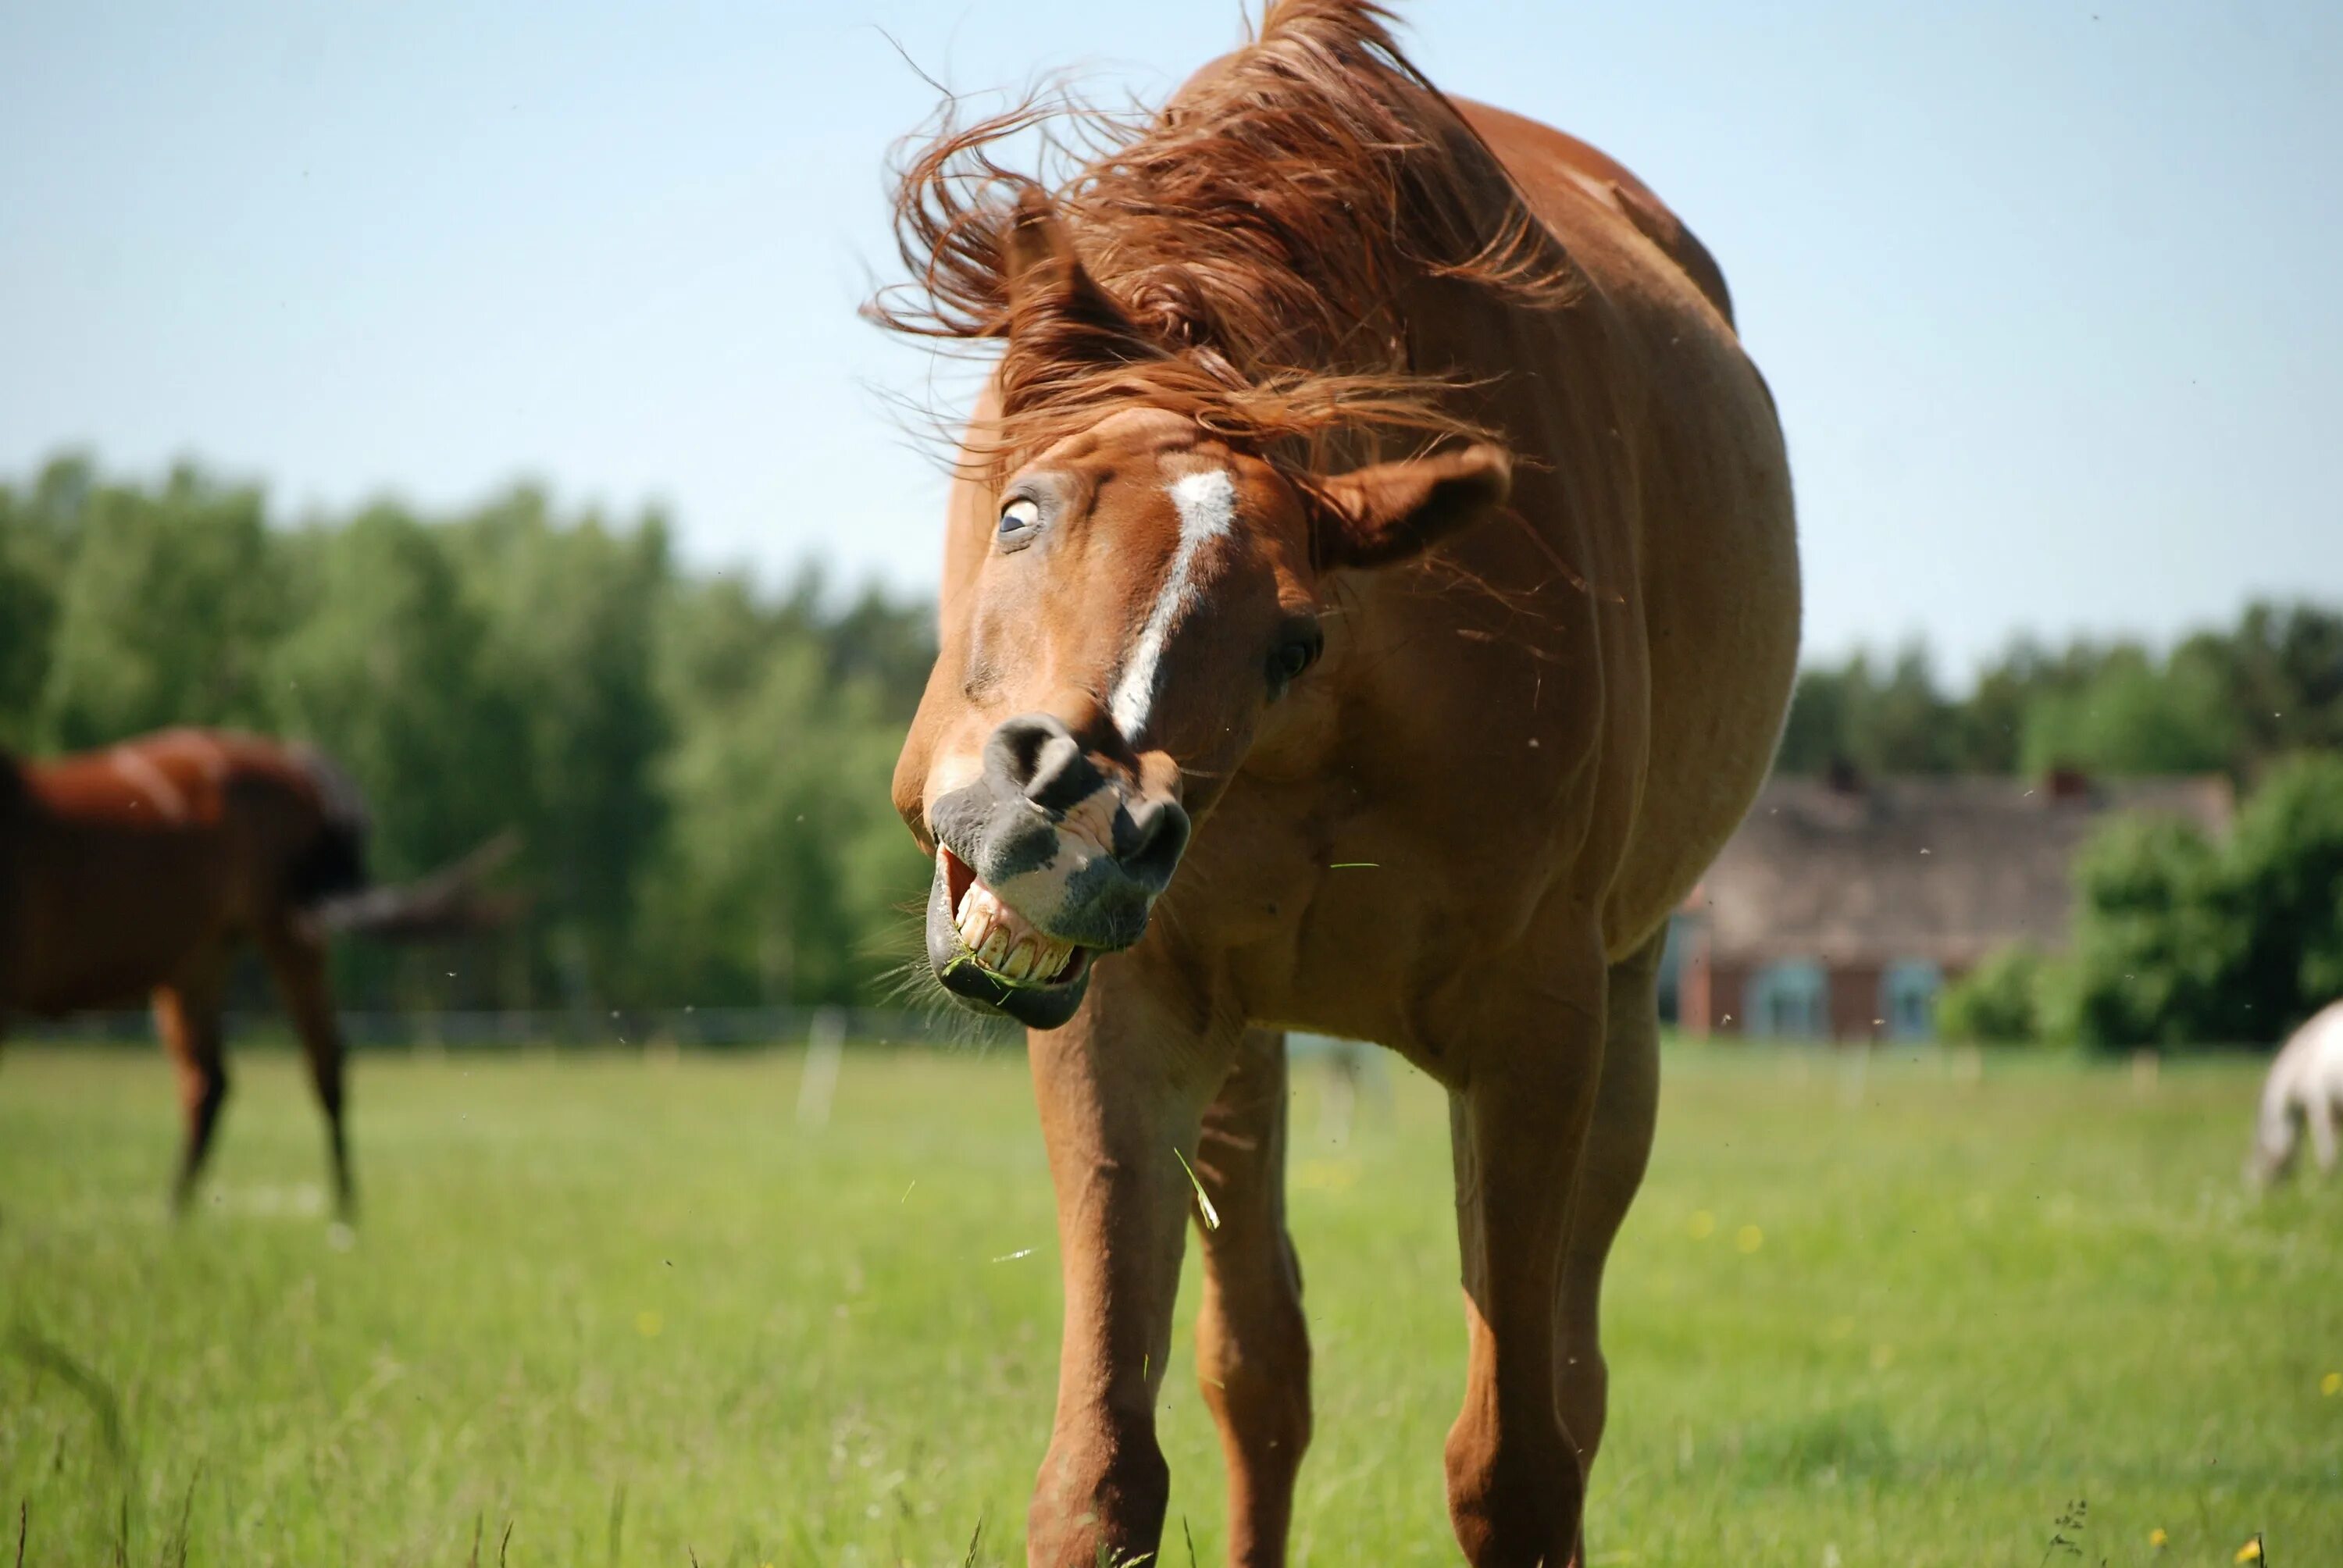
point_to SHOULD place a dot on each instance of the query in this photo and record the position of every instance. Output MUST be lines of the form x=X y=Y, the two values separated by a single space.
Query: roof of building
x=1852 y=871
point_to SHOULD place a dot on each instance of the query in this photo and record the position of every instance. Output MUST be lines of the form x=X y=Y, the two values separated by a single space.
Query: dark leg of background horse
x=1618 y=1147
x=1519 y=1125
x=187 y=1015
x=1252 y=1347
x=298 y=962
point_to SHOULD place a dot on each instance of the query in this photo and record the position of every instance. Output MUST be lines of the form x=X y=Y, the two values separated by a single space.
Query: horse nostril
x=1158 y=838
x=1037 y=756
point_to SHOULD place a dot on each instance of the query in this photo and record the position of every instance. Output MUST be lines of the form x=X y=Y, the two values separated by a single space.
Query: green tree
x=37 y=530
x=1904 y=723
x=390 y=672
x=1999 y=1002
x=1816 y=732
x=571 y=614
x=787 y=874
x=2132 y=717
x=167 y=614
x=1893 y=722
x=2283 y=670
x=2234 y=701
x=2154 y=945
x=2179 y=941
x=2284 y=876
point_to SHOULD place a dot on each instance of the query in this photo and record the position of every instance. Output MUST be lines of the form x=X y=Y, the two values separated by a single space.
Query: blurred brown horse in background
x=141 y=867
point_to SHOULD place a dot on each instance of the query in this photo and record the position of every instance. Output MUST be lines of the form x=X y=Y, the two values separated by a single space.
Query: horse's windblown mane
x=1239 y=257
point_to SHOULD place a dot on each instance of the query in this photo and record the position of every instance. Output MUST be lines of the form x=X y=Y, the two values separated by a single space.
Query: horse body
x=2304 y=1091
x=137 y=870
x=1503 y=760
x=1274 y=721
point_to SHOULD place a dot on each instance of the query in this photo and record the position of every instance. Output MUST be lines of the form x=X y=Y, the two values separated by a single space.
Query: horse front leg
x=1122 y=1090
x=1618 y=1149
x=1519 y=1120
x=1252 y=1345
x=188 y=1016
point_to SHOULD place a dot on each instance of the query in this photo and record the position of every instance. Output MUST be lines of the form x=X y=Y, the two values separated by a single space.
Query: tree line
x=698 y=770
x=2221 y=701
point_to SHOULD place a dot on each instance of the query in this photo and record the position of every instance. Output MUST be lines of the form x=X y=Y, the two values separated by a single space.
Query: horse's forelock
x=1256 y=235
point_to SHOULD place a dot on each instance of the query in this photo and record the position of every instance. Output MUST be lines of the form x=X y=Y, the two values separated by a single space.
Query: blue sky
x=2047 y=291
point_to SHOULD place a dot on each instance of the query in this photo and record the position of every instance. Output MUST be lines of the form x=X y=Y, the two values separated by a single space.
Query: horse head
x=1132 y=608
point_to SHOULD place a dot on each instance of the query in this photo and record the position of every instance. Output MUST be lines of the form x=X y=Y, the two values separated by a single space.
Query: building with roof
x=1844 y=905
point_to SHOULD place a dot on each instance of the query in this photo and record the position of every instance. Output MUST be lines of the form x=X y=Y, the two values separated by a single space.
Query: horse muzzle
x=1044 y=862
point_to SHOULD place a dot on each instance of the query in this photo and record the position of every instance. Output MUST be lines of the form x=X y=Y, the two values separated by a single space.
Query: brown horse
x=139 y=869
x=1369 y=599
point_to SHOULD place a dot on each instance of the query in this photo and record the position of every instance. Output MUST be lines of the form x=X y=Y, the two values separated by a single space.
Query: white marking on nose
x=1207 y=511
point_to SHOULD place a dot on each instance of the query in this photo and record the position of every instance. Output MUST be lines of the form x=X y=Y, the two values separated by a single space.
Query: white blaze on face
x=1207 y=511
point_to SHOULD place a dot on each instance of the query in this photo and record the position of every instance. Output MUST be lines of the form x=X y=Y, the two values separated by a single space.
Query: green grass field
x=629 y=1311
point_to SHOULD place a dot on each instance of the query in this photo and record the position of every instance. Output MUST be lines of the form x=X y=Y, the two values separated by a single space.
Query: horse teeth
x=1004 y=942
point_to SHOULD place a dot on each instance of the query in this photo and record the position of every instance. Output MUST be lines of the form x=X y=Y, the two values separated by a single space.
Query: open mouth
x=1000 y=942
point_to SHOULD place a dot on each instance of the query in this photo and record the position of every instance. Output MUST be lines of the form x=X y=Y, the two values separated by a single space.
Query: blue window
x=1788 y=1000
x=1908 y=999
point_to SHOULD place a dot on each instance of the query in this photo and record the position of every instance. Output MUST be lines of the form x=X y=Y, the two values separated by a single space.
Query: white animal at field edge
x=2306 y=1078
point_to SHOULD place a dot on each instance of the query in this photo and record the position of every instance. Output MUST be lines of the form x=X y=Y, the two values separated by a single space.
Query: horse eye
x=1286 y=665
x=1019 y=514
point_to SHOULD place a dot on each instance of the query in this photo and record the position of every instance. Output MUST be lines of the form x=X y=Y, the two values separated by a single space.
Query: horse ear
x=1041 y=259
x=1389 y=512
x=1047 y=281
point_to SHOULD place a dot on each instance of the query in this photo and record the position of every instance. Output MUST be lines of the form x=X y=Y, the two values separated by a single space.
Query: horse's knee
x=1102 y=1497
x=1516 y=1493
